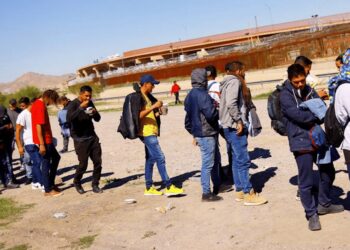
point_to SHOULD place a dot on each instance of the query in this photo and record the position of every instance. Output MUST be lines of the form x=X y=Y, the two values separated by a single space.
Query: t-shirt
x=25 y=120
x=214 y=91
x=40 y=116
x=148 y=125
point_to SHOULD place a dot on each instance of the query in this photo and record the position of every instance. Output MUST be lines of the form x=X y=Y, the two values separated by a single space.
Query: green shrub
x=29 y=91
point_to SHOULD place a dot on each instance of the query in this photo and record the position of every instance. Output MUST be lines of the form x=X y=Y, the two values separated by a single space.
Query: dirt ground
x=190 y=224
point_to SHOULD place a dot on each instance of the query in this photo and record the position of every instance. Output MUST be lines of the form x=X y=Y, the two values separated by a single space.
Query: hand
x=158 y=104
x=21 y=151
x=93 y=111
x=84 y=104
x=42 y=149
x=194 y=142
x=239 y=128
x=9 y=126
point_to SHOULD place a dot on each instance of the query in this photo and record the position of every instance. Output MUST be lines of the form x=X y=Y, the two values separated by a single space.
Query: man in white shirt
x=25 y=144
x=342 y=105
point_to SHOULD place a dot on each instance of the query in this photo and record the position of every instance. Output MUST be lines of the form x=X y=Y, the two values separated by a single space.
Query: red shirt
x=175 y=88
x=40 y=116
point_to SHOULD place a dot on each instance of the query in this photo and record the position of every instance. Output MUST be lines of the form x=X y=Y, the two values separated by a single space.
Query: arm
x=76 y=112
x=145 y=112
x=292 y=112
x=208 y=109
x=40 y=130
x=19 y=129
x=96 y=115
x=232 y=95
x=342 y=105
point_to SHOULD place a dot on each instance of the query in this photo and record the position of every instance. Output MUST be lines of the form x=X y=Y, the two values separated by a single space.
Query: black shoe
x=14 y=181
x=79 y=188
x=11 y=185
x=63 y=151
x=331 y=209
x=97 y=190
x=211 y=197
x=314 y=223
x=28 y=181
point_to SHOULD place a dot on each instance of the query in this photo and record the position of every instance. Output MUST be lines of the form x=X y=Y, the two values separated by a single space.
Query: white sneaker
x=36 y=186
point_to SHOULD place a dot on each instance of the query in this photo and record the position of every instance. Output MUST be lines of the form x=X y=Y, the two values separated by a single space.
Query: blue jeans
x=240 y=159
x=154 y=155
x=27 y=163
x=211 y=158
x=49 y=166
x=36 y=160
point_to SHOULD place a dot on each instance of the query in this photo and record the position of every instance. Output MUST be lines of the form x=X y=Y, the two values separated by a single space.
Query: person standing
x=80 y=114
x=233 y=104
x=299 y=122
x=175 y=89
x=342 y=105
x=6 y=138
x=42 y=136
x=62 y=121
x=145 y=116
x=201 y=122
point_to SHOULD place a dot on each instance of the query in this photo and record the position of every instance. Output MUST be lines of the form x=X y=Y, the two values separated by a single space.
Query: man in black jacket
x=81 y=112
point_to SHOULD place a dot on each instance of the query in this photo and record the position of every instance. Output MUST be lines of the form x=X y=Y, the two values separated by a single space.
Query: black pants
x=85 y=149
x=177 y=99
x=305 y=177
x=49 y=166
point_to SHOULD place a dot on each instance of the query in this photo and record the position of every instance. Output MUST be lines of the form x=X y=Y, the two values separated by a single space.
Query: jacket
x=202 y=118
x=298 y=121
x=231 y=101
x=129 y=125
x=81 y=125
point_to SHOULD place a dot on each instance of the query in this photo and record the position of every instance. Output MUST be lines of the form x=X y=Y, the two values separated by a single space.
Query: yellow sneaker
x=172 y=190
x=253 y=199
x=152 y=191
x=239 y=196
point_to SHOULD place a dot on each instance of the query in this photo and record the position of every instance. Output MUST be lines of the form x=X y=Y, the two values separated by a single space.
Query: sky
x=58 y=36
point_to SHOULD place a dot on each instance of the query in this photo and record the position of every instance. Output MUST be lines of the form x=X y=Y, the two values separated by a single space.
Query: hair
x=24 y=100
x=340 y=58
x=12 y=101
x=295 y=70
x=234 y=66
x=303 y=61
x=51 y=94
x=62 y=99
x=85 y=88
x=211 y=71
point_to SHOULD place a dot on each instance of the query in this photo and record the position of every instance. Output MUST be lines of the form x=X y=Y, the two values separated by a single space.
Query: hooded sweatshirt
x=231 y=101
x=201 y=115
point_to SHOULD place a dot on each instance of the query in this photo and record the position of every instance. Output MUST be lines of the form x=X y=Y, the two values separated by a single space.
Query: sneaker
x=11 y=185
x=36 y=185
x=331 y=209
x=152 y=191
x=97 y=190
x=63 y=151
x=52 y=193
x=239 y=196
x=172 y=190
x=253 y=199
x=211 y=197
x=314 y=223
x=28 y=181
x=79 y=188
x=297 y=197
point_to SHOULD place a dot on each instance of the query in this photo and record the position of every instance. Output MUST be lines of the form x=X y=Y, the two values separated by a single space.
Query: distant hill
x=40 y=81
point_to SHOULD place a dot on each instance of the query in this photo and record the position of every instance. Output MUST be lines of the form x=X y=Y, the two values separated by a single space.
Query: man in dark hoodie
x=299 y=122
x=201 y=121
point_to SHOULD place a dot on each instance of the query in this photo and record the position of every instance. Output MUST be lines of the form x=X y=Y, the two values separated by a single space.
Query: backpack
x=334 y=130
x=128 y=126
x=275 y=112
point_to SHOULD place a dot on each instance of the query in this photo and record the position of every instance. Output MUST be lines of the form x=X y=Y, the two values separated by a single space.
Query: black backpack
x=334 y=130
x=128 y=126
x=275 y=112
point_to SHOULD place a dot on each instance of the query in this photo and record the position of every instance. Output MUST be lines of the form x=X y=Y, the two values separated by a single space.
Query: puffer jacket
x=201 y=115
x=298 y=121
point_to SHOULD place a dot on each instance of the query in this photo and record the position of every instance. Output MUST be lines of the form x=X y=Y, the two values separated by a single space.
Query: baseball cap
x=148 y=78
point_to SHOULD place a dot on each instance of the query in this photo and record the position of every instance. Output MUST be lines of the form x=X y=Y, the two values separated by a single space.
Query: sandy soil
x=191 y=224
